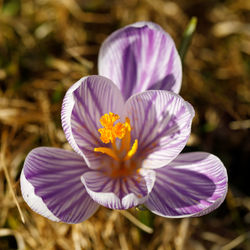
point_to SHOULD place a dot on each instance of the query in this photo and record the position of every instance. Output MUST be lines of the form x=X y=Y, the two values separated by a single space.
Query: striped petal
x=139 y=57
x=194 y=184
x=51 y=185
x=119 y=193
x=161 y=121
x=84 y=104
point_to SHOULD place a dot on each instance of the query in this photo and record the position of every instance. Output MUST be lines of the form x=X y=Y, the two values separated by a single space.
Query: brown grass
x=45 y=46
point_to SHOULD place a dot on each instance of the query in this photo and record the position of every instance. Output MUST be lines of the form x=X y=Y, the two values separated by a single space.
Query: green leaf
x=187 y=37
x=11 y=8
x=145 y=216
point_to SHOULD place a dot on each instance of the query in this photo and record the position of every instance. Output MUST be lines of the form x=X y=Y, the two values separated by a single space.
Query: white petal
x=51 y=185
x=193 y=184
x=139 y=57
x=84 y=104
x=120 y=192
x=35 y=202
x=161 y=121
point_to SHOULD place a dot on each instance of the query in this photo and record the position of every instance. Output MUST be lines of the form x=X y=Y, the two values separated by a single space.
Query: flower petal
x=139 y=57
x=84 y=104
x=161 y=121
x=119 y=193
x=51 y=185
x=193 y=184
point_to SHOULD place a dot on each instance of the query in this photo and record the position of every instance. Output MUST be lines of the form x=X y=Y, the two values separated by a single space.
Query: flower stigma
x=123 y=153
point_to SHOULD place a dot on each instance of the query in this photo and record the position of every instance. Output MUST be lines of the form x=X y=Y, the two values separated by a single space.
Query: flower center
x=122 y=153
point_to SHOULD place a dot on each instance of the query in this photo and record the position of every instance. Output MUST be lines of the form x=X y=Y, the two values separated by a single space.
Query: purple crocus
x=127 y=128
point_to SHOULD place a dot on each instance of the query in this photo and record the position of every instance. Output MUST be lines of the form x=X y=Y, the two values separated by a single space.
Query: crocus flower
x=127 y=129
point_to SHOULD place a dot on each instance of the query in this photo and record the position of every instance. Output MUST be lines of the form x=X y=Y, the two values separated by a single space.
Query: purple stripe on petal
x=84 y=104
x=129 y=71
x=95 y=96
x=76 y=114
x=51 y=185
x=161 y=121
x=193 y=184
x=139 y=57
x=147 y=113
x=35 y=202
x=120 y=192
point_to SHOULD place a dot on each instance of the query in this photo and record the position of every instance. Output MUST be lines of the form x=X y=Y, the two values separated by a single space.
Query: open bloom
x=127 y=140
x=127 y=153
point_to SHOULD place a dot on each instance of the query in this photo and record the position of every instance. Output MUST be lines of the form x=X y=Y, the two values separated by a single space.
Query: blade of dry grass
x=136 y=222
x=236 y=242
x=9 y=181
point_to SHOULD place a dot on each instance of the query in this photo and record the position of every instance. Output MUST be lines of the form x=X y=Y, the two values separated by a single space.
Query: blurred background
x=46 y=46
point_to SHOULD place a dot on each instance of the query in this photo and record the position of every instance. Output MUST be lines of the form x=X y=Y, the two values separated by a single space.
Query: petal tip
x=35 y=202
x=141 y=56
x=190 y=199
x=108 y=195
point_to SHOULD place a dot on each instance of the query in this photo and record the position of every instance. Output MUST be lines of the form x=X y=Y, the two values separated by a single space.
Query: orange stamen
x=107 y=151
x=132 y=151
x=109 y=133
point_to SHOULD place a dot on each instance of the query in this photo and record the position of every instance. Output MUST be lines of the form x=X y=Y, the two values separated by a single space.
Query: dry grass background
x=45 y=46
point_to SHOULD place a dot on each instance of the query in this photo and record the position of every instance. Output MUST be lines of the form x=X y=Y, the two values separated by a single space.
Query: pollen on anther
x=107 y=120
x=119 y=130
x=110 y=131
